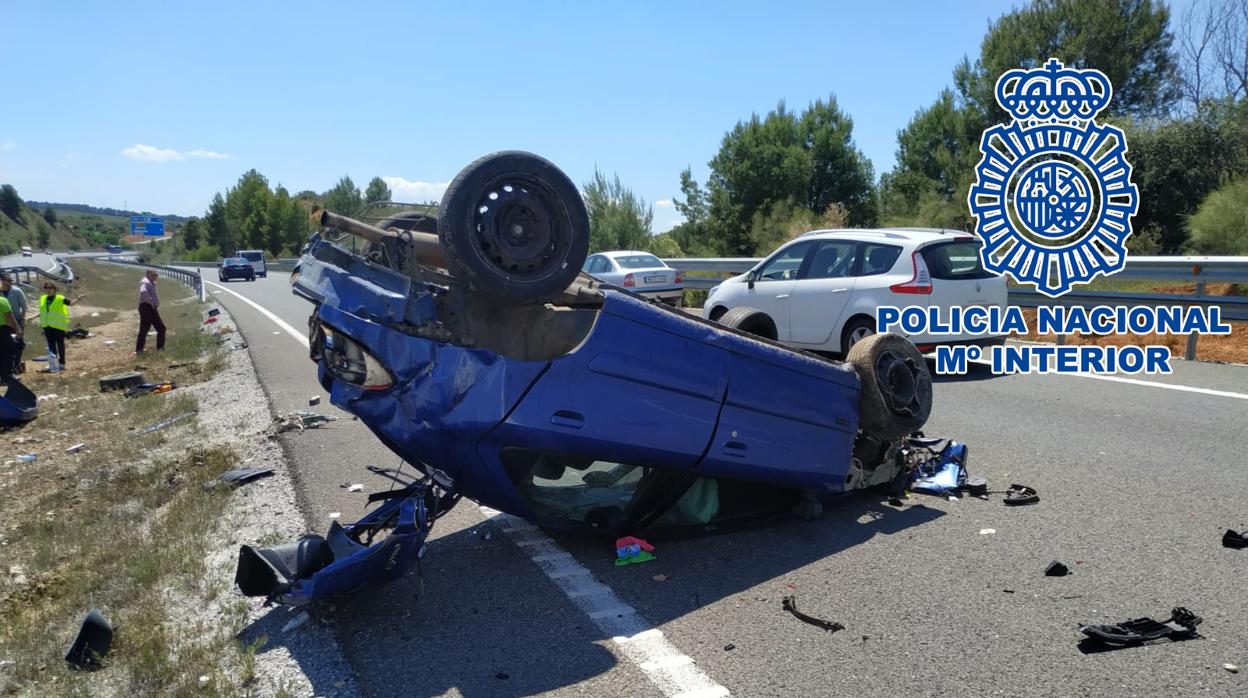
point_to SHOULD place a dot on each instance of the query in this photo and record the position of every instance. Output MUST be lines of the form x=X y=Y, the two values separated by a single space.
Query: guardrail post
x=1190 y=354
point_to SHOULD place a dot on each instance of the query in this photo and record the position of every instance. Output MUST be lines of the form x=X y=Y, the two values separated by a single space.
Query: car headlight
x=348 y=361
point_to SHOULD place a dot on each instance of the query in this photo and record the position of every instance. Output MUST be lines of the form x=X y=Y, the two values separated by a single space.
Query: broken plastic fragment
x=1234 y=540
x=1181 y=625
x=789 y=603
x=987 y=531
x=1018 y=495
x=1056 y=569
x=355 y=488
x=238 y=476
x=92 y=643
x=75 y=448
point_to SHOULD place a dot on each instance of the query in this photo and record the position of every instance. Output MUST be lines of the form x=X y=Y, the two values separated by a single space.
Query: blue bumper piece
x=944 y=473
x=318 y=567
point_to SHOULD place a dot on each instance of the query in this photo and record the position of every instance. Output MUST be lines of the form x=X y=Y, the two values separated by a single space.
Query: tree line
x=1180 y=94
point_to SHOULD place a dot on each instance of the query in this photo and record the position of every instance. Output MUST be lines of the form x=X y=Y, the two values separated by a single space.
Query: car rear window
x=252 y=256
x=954 y=261
x=639 y=261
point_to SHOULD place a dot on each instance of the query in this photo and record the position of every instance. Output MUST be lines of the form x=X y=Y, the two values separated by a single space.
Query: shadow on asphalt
x=421 y=645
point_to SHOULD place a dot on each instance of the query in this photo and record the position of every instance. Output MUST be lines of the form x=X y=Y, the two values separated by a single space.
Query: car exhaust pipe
x=425 y=246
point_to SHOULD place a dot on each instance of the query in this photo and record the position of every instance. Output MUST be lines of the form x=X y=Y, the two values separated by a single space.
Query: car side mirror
x=750 y=279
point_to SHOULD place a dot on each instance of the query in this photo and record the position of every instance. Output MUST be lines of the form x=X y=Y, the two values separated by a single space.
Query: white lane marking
x=286 y=327
x=670 y=670
x=1137 y=381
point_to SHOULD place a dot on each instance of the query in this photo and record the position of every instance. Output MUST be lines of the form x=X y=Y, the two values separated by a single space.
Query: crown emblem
x=1053 y=93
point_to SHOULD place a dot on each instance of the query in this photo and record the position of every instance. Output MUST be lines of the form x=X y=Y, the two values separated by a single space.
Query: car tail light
x=628 y=281
x=679 y=278
x=348 y=361
x=921 y=282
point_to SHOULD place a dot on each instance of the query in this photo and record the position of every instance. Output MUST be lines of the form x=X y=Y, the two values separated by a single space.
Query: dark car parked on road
x=236 y=268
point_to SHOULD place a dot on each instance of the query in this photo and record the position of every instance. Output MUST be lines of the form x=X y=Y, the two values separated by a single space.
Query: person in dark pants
x=149 y=313
x=10 y=330
x=54 y=318
x=17 y=303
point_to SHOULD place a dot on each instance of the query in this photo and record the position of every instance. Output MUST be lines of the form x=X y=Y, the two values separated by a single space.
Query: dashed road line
x=671 y=671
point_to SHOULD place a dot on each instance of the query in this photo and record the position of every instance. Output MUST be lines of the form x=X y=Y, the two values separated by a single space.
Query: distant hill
x=96 y=210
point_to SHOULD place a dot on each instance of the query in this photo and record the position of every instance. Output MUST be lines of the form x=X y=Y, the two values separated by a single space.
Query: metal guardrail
x=67 y=275
x=284 y=264
x=1197 y=270
x=190 y=278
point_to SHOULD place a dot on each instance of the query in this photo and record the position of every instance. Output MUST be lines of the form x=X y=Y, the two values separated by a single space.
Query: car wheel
x=856 y=331
x=513 y=226
x=896 y=397
x=751 y=321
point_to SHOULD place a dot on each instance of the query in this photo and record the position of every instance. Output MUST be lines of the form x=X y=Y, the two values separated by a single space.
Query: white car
x=640 y=272
x=27 y=252
x=820 y=291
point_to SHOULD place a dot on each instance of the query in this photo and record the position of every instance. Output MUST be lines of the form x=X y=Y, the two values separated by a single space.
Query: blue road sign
x=153 y=226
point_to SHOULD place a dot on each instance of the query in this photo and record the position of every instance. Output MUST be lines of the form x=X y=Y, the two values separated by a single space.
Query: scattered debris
x=75 y=448
x=94 y=639
x=631 y=550
x=976 y=486
x=95 y=314
x=789 y=603
x=26 y=457
x=296 y=621
x=210 y=320
x=314 y=400
x=355 y=488
x=335 y=514
x=1181 y=625
x=1056 y=569
x=49 y=396
x=1019 y=495
x=502 y=675
x=661 y=577
x=77 y=333
x=166 y=422
x=1236 y=541
x=729 y=647
x=301 y=419
x=1231 y=668
x=109 y=342
x=238 y=476
x=213 y=312
x=987 y=531
x=150 y=389
x=121 y=381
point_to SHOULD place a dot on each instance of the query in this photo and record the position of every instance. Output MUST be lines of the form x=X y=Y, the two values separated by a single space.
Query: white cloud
x=410 y=191
x=209 y=155
x=150 y=153
x=663 y=203
x=8 y=145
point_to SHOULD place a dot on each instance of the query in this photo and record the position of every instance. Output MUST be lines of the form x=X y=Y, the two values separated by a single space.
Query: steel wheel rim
x=519 y=228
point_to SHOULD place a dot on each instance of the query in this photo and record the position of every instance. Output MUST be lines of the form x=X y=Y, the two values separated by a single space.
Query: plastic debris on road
x=1181 y=625
x=630 y=550
x=75 y=448
x=166 y=422
x=238 y=476
x=1234 y=540
x=94 y=639
x=1056 y=569
x=314 y=400
x=789 y=603
x=987 y=531
x=355 y=488
x=301 y=419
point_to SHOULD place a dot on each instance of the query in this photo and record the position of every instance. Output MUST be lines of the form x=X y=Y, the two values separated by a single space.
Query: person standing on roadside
x=54 y=319
x=17 y=303
x=149 y=313
x=10 y=329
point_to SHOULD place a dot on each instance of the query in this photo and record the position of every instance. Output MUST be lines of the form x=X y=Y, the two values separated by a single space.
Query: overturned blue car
x=471 y=345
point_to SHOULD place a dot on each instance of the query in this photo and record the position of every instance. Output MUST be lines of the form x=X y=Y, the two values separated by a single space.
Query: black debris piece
x=729 y=647
x=1056 y=569
x=94 y=639
x=502 y=675
x=1019 y=495
x=77 y=333
x=214 y=312
x=121 y=381
x=790 y=604
x=976 y=485
x=1181 y=625
x=1237 y=541
x=238 y=476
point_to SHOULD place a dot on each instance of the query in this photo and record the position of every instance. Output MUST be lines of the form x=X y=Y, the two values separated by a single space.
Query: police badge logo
x=1053 y=197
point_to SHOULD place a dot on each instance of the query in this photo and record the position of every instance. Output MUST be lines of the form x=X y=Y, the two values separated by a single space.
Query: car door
x=822 y=292
x=773 y=285
x=959 y=278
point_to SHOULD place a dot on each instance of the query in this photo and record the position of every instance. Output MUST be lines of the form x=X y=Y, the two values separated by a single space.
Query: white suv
x=820 y=291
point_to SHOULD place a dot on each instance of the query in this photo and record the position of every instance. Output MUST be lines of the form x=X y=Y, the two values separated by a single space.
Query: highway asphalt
x=1137 y=484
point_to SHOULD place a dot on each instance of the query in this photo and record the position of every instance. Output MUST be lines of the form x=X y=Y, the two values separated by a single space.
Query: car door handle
x=566 y=418
x=783 y=295
x=838 y=290
x=735 y=448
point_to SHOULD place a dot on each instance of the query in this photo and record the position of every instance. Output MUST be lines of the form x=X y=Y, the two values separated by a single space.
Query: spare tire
x=513 y=226
x=750 y=320
x=896 y=397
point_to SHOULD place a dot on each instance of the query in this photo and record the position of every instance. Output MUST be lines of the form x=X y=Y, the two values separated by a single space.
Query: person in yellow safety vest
x=54 y=319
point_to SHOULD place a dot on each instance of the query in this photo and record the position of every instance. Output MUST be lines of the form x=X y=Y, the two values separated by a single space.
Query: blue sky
x=157 y=106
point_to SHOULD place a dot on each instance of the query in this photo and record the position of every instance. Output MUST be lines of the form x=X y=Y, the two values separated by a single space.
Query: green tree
x=44 y=232
x=49 y=215
x=246 y=210
x=1220 y=225
x=785 y=161
x=192 y=233
x=344 y=198
x=664 y=246
x=10 y=202
x=618 y=218
x=377 y=190
x=216 y=228
x=287 y=221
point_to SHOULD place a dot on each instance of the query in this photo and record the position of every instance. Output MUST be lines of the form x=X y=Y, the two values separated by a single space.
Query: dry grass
x=122 y=525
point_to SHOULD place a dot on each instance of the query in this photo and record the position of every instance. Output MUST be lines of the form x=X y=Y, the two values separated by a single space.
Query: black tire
x=750 y=320
x=896 y=397
x=854 y=329
x=532 y=238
